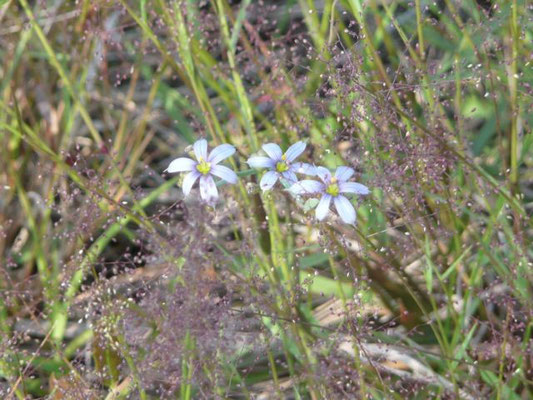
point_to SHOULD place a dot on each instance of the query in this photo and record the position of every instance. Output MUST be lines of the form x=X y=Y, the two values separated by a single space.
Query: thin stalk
x=57 y=65
x=133 y=367
x=246 y=108
x=420 y=32
x=274 y=370
x=70 y=88
x=276 y=238
x=513 y=133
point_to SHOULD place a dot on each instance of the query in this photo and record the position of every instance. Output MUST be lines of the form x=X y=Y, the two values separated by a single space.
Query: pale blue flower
x=281 y=165
x=332 y=188
x=205 y=167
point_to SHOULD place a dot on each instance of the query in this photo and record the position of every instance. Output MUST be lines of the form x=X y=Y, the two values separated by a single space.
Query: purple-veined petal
x=181 y=164
x=344 y=173
x=303 y=168
x=225 y=173
x=353 y=187
x=188 y=182
x=273 y=151
x=220 y=153
x=208 y=189
x=268 y=180
x=290 y=176
x=323 y=174
x=200 y=149
x=261 y=162
x=345 y=209
x=294 y=151
x=307 y=186
x=322 y=208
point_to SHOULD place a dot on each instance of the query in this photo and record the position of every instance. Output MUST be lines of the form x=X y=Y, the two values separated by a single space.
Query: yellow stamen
x=333 y=188
x=282 y=166
x=203 y=167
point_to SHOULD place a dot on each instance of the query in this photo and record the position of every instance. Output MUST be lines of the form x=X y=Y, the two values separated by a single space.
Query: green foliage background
x=123 y=87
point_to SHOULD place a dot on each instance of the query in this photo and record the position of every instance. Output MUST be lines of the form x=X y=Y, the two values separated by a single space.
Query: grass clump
x=116 y=285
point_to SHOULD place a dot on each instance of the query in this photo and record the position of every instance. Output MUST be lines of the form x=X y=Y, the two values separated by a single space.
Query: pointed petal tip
x=322 y=209
x=345 y=210
x=295 y=150
x=221 y=152
x=323 y=173
x=273 y=151
x=200 y=149
x=208 y=189
x=181 y=164
x=268 y=180
x=189 y=181
x=344 y=173
x=224 y=173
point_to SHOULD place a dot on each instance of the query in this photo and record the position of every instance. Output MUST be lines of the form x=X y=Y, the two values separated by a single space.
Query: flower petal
x=290 y=176
x=344 y=173
x=261 y=162
x=323 y=174
x=181 y=164
x=303 y=168
x=208 y=189
x=188 y=182
x=353 y=187
x=323 y=207
x=220 y=153
x=200 y=149
x=295 y=150
x=225 y=173
x=345 y=209
x=273 y=151
x=307 y=186
x=268 y=180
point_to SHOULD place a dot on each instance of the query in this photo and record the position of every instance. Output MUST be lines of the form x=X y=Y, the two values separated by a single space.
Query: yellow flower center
x=282 y=166
x=333 y=188
x=203 y=167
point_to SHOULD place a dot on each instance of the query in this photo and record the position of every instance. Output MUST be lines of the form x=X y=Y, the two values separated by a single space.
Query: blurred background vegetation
x=114 y=286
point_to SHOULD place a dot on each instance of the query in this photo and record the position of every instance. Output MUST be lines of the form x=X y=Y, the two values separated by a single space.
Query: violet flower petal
x=200 y=149
x=208 y=189
x=322 y=209
x=268 y=180
x=225 y=173
x=220 y=153
x=303 y=168
x=323 y=174
x=188 y=181
x=273 y=151
x=290 y=176
x=181 y=164
x=345 y=209
x=344 y=173
x=261 y=162
x=353 y=187
x=294 y=151
x=307 y=186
